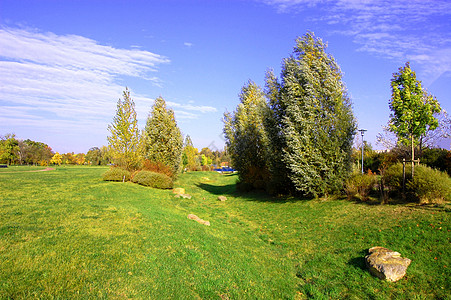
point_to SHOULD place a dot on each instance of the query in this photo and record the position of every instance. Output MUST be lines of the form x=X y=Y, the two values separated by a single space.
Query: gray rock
x=386 y=264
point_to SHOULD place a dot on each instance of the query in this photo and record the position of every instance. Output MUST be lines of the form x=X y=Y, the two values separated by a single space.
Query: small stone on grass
x=222 y=198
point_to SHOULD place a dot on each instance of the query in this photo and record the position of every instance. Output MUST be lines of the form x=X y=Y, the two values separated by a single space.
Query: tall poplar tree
x=313 y=118
x=245 y=136
x=163 y=141
x=279 y=181
x=413 y=109
x=124 y=141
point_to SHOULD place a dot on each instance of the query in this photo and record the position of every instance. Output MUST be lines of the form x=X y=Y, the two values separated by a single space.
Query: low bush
x=351 y=188
x=361 y=184
x=116 y=174
x=429 y=185
x=153 y=179
x=157 y=167
x=393 y=178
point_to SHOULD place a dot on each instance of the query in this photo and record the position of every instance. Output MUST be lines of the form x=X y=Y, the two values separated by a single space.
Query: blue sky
x=64 y=64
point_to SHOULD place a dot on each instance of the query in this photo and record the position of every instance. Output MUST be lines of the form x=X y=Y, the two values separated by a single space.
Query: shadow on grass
x=255 y=195
x=228 y=189
x=373 y=201
x=358 y=263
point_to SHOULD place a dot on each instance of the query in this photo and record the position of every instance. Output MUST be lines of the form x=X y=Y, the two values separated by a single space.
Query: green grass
x=67 y=234
x=10 y=169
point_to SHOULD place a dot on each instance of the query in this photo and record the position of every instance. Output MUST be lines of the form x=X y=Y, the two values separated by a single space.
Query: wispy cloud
x=49 y=77
x=71 y=82
x=401 y=30
x=182 y=111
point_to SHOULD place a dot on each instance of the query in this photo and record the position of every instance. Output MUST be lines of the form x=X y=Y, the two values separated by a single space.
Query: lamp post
x=362 y=132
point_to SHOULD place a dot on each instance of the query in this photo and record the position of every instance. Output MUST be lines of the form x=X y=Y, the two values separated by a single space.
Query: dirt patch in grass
x=29 y=171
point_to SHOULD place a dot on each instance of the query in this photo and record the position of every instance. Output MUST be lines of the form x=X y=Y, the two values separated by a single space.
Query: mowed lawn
x=67 y=234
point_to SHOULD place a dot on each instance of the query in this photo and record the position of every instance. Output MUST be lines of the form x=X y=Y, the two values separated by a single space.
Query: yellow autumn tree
x=57 y=159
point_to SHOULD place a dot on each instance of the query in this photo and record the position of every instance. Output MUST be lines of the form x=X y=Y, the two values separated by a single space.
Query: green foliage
x=361 y=184
x=393 y=178
x=9 y=149
x=429 y=185
x=278 y=182
x=189 y=156
x=203 y=160
x=33 y=153
x=437 y=158
x=245 y=136
x=154 y=180
x=163 y=141
x=412 y=107
x=124 y=141
x=313 y=115
x=116 y=174
x=94 y=156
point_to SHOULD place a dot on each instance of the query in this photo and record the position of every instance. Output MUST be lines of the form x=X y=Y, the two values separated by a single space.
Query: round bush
x=116 y=174
x=429 y=185
x=393 y=177
x=361 y=184
x=152 y=179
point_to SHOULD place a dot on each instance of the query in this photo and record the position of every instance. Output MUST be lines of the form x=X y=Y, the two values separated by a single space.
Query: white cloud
x=70 y=83
x=188 y=44
x=399 y=30
x=190 y=107
x=182 y=111
x=65 y=77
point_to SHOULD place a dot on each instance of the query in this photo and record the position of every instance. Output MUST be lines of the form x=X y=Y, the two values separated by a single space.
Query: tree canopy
x=245 y=136
x=412 y=109
x=313 y=118
x=124 y=140
x=163 y=141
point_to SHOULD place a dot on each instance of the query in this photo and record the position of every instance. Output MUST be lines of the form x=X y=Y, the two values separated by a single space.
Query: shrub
x=429 y=185
x=351 y=188
x=437 y=158
x=153 y=179
x=361 y=184
x=116 y=174
x=393 y=177
x=157 y=167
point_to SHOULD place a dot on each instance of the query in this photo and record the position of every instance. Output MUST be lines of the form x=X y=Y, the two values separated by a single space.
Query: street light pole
x=362 y=132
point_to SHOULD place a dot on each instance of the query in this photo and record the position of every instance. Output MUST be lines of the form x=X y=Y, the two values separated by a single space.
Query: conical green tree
x=314 y=118
x=124 y=141
x=163 y=141
x=279 y=181
x=245 y=136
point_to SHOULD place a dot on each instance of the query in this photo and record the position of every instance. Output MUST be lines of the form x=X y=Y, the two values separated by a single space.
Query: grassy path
x=66 y=234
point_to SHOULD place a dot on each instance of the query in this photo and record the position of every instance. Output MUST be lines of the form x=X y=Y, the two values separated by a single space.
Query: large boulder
x=386 y=264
